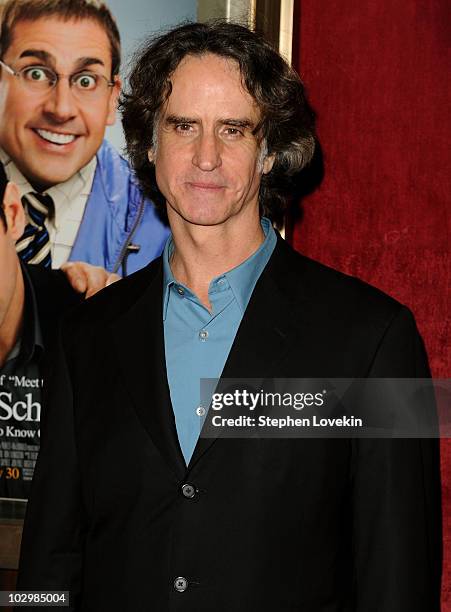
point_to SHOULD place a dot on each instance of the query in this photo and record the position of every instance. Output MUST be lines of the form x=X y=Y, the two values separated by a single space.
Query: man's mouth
x=56 y=138
x=207 y=186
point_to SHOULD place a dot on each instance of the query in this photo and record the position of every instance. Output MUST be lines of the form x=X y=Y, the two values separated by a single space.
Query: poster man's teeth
x=56 y=138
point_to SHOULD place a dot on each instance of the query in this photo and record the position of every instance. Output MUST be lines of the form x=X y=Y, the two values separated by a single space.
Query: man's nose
x=207 y=153
x=60 y=103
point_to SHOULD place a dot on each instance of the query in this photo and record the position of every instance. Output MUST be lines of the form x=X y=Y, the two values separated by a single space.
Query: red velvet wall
x=378 y=75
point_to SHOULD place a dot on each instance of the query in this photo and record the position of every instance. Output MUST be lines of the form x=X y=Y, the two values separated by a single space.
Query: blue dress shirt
x=197 y=341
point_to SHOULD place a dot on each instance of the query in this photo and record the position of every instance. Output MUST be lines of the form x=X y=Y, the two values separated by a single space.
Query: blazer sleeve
x=396 y=498
x=53 y=535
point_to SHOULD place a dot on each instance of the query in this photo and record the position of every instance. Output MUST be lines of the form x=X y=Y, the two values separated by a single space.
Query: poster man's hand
x=86 y=278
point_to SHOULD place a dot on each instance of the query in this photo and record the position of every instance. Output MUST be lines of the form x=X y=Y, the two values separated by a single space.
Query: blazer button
x=188 y=491
x=180 y=584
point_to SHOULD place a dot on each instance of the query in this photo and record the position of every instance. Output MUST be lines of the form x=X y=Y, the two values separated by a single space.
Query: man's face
x=51 y=135
x=208 y=162
x=9 y=262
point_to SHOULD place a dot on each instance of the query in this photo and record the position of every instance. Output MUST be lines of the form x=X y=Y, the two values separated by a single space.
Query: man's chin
x=54 y=176
x=204 y=218
x=197 y=215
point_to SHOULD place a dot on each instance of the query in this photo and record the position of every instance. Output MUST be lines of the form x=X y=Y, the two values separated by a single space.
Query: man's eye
x=85 y=81
x=37 y=74
x=233 y=131
x=183 y=127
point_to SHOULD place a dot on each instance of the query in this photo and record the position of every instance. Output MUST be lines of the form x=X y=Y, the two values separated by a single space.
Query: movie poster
x=21 y=386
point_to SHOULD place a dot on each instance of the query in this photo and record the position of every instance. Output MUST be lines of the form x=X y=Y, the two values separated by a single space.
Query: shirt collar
x=62 y=194
x=242 y=279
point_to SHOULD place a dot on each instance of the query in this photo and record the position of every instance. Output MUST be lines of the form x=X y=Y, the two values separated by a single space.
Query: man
x=31 y=300
x=149 y=515
x=59 y=86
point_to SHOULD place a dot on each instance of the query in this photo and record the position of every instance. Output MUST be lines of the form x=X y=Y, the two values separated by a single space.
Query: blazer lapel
x=139 y=339
x=264 y=336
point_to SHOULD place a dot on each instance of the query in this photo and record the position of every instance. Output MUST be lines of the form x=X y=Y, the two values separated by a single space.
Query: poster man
x=59 y=85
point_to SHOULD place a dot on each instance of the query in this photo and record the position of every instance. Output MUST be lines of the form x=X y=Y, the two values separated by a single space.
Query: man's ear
x=14 y=212
x=112 y=104
x=150 y=156
x=268 y=163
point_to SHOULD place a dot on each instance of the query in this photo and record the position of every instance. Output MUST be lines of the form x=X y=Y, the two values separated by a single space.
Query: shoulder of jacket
x=330 y=288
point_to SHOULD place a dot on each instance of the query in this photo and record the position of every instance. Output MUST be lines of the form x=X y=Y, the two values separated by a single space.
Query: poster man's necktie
x=34 y=246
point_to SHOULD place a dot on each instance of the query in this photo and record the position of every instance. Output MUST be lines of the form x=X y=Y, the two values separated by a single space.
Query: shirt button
x=203 y=335
x=188 y=491
x=180 y=291
x=200 y=411
x=180 y=584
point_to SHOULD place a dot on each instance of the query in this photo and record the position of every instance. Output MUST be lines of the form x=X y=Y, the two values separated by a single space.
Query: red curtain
x=378 y=74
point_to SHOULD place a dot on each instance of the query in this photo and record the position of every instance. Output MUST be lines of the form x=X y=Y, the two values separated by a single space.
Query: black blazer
x=312 y=525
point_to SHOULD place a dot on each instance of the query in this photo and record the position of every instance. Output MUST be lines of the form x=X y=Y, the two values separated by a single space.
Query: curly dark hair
x=287 y=121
